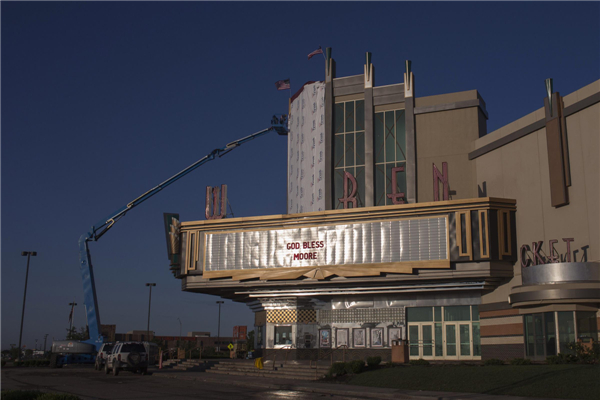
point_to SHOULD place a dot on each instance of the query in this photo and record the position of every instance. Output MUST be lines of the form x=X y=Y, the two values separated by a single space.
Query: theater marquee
x=351 y=249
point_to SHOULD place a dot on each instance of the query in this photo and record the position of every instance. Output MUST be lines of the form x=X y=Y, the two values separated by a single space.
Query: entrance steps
x=194 y=365
x=188 y=365
x=288 y=370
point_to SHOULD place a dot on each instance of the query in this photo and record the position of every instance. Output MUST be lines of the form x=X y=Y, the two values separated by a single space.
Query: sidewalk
x=351 y=391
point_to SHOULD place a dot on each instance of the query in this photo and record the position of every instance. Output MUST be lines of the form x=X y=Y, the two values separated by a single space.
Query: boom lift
x=73 y=351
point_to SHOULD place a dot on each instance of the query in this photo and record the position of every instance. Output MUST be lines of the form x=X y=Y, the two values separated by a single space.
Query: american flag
x=314 y=53
x=283 y=84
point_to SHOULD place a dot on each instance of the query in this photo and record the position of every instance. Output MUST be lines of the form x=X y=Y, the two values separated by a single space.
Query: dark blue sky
x=102 y=101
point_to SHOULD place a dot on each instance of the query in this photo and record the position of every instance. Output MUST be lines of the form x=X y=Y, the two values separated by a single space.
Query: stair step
x=259 y=374
x=268 y=371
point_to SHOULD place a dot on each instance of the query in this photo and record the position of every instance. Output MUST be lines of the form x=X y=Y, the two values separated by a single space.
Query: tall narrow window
x=390 y=152
x=349 y=149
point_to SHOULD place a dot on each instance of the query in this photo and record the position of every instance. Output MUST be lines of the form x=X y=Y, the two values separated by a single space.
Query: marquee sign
x=354 y=245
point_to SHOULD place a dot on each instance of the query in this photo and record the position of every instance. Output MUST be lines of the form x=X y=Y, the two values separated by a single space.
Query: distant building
x=108 y=331
x=199 y=334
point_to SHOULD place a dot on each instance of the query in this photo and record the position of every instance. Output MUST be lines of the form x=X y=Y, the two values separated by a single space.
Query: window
x=349 y=149
x=390 y=152
x=283 y=335
x=419 y=314
x=457 y=313
x=586 y=324
x=566 y=330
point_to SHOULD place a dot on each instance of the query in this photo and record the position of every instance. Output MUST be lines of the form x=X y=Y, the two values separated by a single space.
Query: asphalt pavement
x=89 y=384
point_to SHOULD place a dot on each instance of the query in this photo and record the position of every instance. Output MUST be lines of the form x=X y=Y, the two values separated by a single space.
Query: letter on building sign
x=568 y=241
x=552 y=258
x=525 y=261
x=349 y=198
x=215 y=202
x=397 y=197
x=537 y=258
x=440 y=177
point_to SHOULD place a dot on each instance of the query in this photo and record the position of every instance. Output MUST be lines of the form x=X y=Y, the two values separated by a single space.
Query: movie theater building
x=407 y=220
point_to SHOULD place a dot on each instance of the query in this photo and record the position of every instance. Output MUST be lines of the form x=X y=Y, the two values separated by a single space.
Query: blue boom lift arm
x=278 y=124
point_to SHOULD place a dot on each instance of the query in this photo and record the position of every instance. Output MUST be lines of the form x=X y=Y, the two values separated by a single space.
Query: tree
x=250 y=341
x=83 y=334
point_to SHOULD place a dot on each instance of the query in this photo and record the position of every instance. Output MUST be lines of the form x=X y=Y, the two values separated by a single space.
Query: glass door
x=465 y=340
x=458 y=341
x=421 y=342
x=451 y=342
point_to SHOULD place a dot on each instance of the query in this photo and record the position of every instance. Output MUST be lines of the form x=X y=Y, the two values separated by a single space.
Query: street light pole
x=28 y=254
x=179 y=329
x=219 y=325
x=149 y=303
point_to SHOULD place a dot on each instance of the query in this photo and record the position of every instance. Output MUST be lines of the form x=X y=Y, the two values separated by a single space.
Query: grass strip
x=551 y=381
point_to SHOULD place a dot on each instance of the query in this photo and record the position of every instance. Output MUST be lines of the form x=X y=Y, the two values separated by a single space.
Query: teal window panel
x=338 y=151
x=380 y=185
x=400 y=136
x=379 y=139
x=338 y=180
x=439 y=343
x=360 y=182
x=338 y=118
x=349 y=138
x=475 y=313
x=476 y=340
x=349 y=119
x=457 y=313
x=419 y=314
x=390 y=137
x=437 y=311
x=360 y=115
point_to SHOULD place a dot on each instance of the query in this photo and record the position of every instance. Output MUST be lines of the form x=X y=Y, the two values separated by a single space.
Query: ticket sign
x=391 y=241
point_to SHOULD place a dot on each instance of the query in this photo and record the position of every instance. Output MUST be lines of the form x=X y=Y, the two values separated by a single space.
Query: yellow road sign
x=230 y=347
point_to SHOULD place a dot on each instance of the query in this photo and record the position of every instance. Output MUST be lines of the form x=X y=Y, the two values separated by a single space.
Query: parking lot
x=87 y=383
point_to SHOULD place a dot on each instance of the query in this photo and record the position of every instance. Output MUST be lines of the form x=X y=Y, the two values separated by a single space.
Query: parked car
x=105 y=350
x=127 y=356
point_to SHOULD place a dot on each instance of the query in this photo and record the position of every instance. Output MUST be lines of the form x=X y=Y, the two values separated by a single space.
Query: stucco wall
x=447 y=136
x=519 y=170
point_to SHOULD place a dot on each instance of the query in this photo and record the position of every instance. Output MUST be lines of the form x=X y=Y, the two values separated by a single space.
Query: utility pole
x=149 y=303
x=72 y=317
x=179 y=331
x=28 y=254
x=219 y=326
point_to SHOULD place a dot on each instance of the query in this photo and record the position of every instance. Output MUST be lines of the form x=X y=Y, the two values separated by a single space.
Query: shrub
x=355 y=367
x=373 y=361
x=520 y=361
x=18 y=363
x=583 y=354
x=554 y=360
x=337 y=369
x=3 y=363
x=493 y=361
x=20 y=394
x=420 y=361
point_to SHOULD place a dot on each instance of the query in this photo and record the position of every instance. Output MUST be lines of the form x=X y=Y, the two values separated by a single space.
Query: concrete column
x=329 y=75
x=411 y=138
x=369 y=138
